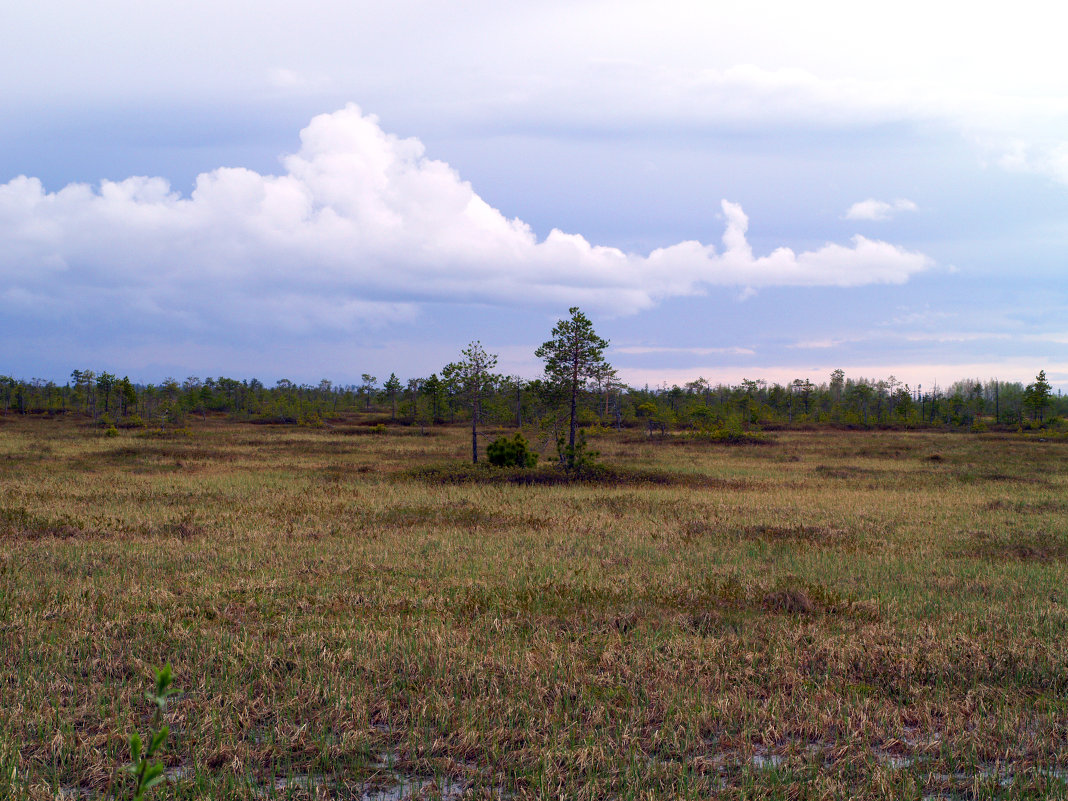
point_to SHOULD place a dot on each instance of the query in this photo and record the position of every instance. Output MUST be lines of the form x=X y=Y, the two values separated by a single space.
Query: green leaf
x=163 y=680
x=158 y=739
x=135 y=747
x=153 y=777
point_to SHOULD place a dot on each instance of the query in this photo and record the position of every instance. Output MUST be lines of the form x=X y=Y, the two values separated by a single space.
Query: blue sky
x=769 y=191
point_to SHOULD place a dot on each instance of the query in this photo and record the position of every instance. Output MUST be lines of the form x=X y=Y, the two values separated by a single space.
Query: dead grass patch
x=894 y=449
x=695 y=529
x=998 y=476
x=343 y=472
x=1026 y=507
x=452 y=514
x=19 y=523
x=183 y=528
x=551 y=475
x=815 y=534
x=843 y=471
x=1037 y=546
x=791 y=601
x=980 y=474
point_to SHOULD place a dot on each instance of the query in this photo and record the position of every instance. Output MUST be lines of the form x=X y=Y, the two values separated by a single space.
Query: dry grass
x=832 y=615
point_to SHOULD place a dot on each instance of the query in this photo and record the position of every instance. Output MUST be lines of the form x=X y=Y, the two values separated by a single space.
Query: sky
x=768 y=190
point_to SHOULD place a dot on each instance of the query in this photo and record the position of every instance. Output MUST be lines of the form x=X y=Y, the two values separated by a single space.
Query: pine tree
x=392 y=388
x=471 y=378
x=1037 y=395
x=573 y=356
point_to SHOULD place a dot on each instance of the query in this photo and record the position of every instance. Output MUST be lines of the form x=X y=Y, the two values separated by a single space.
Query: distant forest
x=697 y=407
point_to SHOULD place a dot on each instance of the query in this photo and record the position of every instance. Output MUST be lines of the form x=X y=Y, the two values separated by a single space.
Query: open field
x=831 y=615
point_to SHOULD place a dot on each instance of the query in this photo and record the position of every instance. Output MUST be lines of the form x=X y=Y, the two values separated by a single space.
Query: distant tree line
x=511 y=400
x=579 y=389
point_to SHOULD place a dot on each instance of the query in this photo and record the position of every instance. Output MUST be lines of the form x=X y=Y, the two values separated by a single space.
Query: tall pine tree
x=572 y=357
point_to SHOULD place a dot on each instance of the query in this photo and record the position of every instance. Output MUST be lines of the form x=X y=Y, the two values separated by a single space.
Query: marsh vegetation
x=822 y=614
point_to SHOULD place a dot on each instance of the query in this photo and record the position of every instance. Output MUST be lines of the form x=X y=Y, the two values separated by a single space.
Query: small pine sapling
x=577 y=458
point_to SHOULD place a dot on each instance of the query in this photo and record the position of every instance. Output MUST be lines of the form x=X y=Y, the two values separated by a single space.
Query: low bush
x=514 y=452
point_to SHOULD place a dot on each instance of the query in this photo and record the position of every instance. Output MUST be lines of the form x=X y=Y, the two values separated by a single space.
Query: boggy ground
x=831 y=615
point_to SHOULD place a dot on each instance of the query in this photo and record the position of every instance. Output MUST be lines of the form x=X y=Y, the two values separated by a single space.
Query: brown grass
x=829 y=616
x=1041 y=546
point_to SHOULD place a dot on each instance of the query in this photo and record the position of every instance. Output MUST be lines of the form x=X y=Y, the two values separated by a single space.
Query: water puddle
x=446 y=789
x=284 y=786
x=390 y=783
x=726 y=761
x=394 y=786
x=767 y=761
x=894 y=761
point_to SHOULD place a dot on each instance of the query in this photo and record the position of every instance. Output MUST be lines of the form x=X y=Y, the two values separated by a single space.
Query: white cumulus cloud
x=878 y=210
x=361 y=228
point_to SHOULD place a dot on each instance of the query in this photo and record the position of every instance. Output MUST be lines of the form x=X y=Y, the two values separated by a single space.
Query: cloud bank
x=360 y=229
x=1016 y=130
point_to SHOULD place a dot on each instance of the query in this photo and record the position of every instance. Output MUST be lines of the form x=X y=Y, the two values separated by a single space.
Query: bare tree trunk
x=474 y=432
x=574 y=404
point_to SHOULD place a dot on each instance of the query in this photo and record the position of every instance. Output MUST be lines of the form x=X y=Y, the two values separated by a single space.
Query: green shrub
x=515 y=452
x=729 y=432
